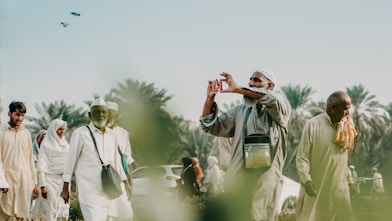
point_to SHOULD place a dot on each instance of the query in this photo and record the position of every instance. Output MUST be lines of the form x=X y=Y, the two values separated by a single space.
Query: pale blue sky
x=179 y=45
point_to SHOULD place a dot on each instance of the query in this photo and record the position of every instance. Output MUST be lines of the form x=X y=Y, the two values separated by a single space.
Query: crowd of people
x=36 y=178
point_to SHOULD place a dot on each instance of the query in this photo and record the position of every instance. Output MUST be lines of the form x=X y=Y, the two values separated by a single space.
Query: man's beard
x=100 y=123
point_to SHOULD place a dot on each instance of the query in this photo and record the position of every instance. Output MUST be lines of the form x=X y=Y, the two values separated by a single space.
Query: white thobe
x=83 y=159
x=320 y=160
x=121 y=207
x=17 y=164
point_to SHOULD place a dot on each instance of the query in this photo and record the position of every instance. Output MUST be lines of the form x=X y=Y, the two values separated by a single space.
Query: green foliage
x=157 y=137
x=75 y=117
x=370 y=118
x=298 y=97
x=75 y=213
x=201 y=145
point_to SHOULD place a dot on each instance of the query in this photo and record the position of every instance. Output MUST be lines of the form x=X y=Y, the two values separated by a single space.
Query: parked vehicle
x=148 y=179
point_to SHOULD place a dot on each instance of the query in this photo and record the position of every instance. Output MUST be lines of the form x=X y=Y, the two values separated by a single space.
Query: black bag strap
x=95 y=144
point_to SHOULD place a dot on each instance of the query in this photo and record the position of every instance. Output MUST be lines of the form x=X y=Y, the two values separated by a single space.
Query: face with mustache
x=99 y=116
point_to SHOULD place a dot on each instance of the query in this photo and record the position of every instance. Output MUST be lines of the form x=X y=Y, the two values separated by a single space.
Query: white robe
x=50 y=167
x=121 y=207
x=262 y=187
x=83 y=159
x=321 y=160
x=17 y=165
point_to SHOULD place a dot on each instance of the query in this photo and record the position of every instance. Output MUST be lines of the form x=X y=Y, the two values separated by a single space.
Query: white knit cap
x=98 y=102
x=112 y=105
x=270 y=75
x=351 y=166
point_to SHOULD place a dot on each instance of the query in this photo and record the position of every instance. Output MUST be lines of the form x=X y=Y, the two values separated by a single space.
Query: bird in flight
x=75 y=13
x=64 y=24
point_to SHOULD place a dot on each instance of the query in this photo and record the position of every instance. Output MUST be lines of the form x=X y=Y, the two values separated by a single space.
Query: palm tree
x=201 y=145
x=298 y=97
x=155 y=133
x=74 y=116
x=369 y=118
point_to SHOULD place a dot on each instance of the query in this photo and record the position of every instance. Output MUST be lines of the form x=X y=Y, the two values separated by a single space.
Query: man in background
x=377 y=190
x=326 y=184
x=120 y=208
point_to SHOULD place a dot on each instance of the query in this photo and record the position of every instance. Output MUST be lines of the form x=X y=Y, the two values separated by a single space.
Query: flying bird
x=64 y=24
x=75 y=13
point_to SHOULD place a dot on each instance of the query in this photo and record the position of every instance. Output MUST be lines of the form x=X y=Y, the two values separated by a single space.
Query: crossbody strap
x=95 y=144
x=244 y=128
x=245 y=122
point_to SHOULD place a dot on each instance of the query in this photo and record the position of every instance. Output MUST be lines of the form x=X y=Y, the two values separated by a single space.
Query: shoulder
x=318 y=119
x=121 y=130
x=25 y=131
x=79 y=131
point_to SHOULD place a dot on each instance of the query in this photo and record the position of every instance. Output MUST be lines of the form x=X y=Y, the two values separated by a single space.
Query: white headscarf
x=53 y=150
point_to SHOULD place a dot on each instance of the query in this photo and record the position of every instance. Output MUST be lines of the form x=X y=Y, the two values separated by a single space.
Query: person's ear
x=270 y=85
x=9 y=114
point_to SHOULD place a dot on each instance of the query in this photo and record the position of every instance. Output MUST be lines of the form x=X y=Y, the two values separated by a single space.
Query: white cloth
x=213 y=180
x=121 y=207
x=3 y=181
x=83 y=159
x=93 y=213
x=50 y=166
x=122 y=137
x=53 y=152
x=320 y=159
x=378 y=185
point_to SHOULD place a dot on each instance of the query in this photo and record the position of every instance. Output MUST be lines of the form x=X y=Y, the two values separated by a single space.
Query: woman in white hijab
x=51 y=158
x=213 y=180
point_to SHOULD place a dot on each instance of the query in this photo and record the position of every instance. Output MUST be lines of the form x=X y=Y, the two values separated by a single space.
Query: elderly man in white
x=121 y=208
x=84 y=160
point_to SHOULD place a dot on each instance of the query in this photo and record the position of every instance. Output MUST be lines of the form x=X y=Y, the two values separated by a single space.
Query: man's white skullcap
x=269 y=74
x=112 y=105
x=98 y=102
x=352 y=166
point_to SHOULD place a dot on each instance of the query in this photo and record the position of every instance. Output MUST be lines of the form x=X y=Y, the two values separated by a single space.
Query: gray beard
x=99 y=124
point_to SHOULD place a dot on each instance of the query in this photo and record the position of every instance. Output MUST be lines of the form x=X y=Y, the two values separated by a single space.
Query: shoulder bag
x=111 y=181
x=256 y=147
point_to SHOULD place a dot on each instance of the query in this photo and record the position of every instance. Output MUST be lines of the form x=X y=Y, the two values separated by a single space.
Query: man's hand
x=65 y=193
x=35 y=193
x=5 y=190
x=44 y=192
x=310 y=189
x=232 y=85
x=353 y=190
x=128 y=189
